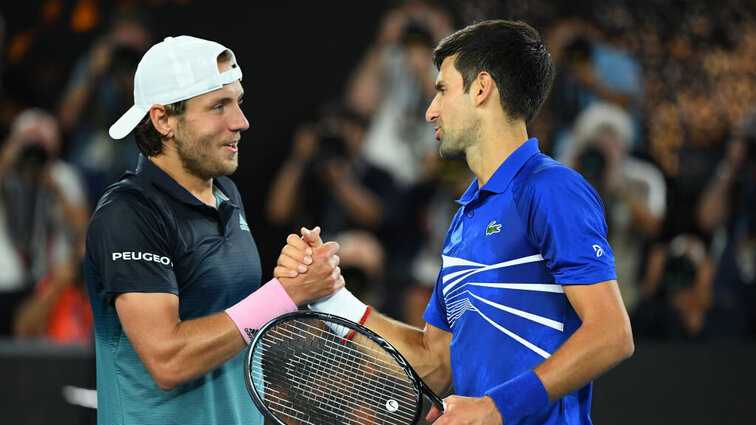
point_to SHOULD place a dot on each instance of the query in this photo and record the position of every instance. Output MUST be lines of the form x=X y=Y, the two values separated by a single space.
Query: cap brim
x=127 y=122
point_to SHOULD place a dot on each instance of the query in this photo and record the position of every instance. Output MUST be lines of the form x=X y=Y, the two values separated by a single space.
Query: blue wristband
x=520 y=396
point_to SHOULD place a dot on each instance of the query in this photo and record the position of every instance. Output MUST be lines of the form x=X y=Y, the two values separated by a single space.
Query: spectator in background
x=676 y=290
x=99 y=89
x=728 y=206
x=434 y=206
x=327 y=180
x=633 y=190
x=43 y=207
x=590 y=70
x=394 y=83
x=58 y=309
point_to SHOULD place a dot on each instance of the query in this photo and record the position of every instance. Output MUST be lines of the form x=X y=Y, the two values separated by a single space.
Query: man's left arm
x=602 y=341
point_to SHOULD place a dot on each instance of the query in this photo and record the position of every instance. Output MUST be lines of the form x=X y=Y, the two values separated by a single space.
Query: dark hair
x=148 y=139
x=512 y=52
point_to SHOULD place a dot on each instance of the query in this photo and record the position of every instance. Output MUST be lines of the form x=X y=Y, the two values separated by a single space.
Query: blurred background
x=653 y=103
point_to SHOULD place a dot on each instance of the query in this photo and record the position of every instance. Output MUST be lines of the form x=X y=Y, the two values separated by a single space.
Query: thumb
x=312 y=237
x=333 y=247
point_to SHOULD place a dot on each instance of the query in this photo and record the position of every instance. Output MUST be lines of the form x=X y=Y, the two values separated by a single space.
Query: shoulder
x=127 y=201
x=542 y=175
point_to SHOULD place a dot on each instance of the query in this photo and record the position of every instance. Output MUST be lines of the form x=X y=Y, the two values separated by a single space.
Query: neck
x=499 y=139
x=170 y=162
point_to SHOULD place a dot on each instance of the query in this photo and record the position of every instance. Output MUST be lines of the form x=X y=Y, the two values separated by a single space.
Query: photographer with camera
x=326 y=180
x=393 y=84
x=727 y=207
x=633 y=190
x=100 y=88
x=43 y=208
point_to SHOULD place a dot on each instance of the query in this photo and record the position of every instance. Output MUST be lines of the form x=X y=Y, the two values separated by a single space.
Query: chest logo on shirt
x=599 y=251
x=493 y=228
x=243 y=223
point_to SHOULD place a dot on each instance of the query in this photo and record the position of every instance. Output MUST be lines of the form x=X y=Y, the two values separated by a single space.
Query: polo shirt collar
x=147 y=169
x=501 y=178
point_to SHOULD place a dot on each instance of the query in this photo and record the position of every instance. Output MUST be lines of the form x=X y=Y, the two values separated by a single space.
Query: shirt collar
x=147 y=169
x=501 y=178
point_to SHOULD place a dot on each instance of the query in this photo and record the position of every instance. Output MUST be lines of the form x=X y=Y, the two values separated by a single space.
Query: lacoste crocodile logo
x=493 y=228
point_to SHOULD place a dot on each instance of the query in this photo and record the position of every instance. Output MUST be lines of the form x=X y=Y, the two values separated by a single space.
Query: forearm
x=363 y=206
x=364 y=87
x=414 y=345
x=714 y=206
x=192 y=349
x=592 y=350
x=176 y=351
x=32 y=316
x=644 y=219
x=283 y=192
x=73 y=103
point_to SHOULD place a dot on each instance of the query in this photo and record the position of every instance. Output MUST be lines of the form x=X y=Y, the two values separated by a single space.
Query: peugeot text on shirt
x=145 y=256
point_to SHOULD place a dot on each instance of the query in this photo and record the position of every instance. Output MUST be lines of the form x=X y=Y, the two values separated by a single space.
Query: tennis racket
x=299 y=370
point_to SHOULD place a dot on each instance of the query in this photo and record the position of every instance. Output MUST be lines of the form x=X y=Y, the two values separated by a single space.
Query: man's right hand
x=309 y=273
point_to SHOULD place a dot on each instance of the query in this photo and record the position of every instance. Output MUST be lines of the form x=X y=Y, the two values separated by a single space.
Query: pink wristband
x=260 y=307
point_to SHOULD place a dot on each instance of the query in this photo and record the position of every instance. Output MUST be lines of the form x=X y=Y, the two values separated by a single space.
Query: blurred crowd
x=653 y=104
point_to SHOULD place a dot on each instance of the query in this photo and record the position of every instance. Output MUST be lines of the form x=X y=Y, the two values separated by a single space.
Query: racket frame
x=419 y=386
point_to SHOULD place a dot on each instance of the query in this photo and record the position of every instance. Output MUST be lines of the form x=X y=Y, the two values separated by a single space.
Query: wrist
x=260 y=307
x=343 y=304
x=520 y=396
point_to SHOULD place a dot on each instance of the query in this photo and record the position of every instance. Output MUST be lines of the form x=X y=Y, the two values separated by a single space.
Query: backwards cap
x=176 y=69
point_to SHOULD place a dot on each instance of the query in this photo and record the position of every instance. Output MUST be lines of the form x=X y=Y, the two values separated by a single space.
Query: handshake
x=308 y=269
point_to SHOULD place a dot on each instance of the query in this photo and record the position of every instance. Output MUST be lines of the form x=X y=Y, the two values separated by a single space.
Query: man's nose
x=431 y=115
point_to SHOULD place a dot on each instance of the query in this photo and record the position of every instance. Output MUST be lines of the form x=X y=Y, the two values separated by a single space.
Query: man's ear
x=160 y=120
x=482 y=88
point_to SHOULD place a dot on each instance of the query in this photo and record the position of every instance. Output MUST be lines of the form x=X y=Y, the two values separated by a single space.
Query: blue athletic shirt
x=149 y=234
x=535 y=226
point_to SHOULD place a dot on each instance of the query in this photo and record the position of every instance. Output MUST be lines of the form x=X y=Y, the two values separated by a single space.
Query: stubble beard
x=454 y=144
x=196 y=156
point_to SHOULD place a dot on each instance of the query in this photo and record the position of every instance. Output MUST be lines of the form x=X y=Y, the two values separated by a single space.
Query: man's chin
x=451 y=154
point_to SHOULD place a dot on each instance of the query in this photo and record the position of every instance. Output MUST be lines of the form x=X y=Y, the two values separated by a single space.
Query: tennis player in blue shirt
x=526 y=311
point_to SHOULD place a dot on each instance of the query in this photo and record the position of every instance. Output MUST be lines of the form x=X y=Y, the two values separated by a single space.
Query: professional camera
x=332 y=147
x=591 y=164
x=32 y=156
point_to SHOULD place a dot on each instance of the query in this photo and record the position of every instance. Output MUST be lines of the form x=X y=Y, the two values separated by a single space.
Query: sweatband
x=343 y=304
x=260 y=307
x=520 y=396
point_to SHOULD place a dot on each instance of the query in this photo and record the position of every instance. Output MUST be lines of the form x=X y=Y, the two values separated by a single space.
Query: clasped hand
x=309 y=270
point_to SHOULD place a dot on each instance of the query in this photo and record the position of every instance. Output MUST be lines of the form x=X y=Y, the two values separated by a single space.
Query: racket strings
x=323 y=388
x=322 y=399
x=350 y=359
x=308 y=375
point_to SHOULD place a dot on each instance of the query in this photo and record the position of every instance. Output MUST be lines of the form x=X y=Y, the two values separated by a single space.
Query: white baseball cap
x=176 y=69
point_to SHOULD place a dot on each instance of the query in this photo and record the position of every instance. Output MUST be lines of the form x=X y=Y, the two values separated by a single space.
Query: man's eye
x=218 y=107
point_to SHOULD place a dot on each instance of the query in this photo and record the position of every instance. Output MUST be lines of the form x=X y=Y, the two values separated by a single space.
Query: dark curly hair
x=513 y=53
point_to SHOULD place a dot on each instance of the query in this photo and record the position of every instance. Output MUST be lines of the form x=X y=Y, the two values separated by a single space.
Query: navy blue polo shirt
x=535 y=226
x=149 y=234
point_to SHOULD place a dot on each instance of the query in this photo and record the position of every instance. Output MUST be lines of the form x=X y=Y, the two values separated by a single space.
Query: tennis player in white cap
x=171 y=266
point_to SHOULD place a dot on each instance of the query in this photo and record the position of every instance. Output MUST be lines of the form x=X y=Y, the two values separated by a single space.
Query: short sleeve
x=565 y=219
x=129 y=246
x=435 y=312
